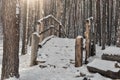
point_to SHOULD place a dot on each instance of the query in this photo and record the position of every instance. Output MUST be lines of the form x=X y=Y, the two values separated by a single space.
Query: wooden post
x=34 y=48
x=41 y=29
x=87 y=37
x=52 y=31
x=38 y=27
x=78 y=51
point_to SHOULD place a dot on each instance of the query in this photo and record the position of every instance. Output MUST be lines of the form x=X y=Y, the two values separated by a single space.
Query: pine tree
x=103 y=24
x=10 y=63
x=98 y=20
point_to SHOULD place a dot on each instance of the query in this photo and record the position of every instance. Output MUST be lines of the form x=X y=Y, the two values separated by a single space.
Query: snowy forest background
x=72 y=14
x=71 y=20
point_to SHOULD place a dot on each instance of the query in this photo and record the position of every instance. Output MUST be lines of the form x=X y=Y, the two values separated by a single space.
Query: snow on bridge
x=58 y=51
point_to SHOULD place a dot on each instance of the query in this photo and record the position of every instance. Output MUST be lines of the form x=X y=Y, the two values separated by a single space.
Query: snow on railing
x=55 y=19
x=49 y=16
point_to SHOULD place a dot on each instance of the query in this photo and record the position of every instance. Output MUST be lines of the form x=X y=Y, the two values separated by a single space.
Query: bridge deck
x=57 y=50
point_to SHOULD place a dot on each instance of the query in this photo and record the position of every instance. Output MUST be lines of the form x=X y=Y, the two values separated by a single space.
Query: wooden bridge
x=40 y=37
x=58 y=46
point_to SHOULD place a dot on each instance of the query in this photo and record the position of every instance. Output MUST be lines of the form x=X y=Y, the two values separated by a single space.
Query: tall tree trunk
x=10 y=63
x=0 y=9
x=90 y=9
x=111 y=21
x=98 y=20
x=108 y=23
x=25 y=28
x=83 y=16
x=64 y=14
x=103 y=24
x=116 y=20
x=118 y=28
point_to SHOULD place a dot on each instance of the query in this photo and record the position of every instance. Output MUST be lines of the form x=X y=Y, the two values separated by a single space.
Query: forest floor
x=57 y=62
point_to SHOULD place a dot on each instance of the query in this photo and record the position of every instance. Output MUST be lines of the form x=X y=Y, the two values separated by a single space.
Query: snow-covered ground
x=57 y=62
x=108 y=65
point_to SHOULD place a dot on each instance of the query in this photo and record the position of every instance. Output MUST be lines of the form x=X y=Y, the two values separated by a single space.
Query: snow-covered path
x=57 y=59
x=57 y=51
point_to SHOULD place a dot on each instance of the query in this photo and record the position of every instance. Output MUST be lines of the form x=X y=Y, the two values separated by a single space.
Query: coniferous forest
x=60 y=39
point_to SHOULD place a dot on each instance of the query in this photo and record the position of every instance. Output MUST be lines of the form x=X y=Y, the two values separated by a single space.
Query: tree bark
x=108 y=22
x=118 y=28
x=90 y=9
x=25 y=29
x=111 y=22
x=98 y=21
x=10 y=63
x=103 y=24
x=116 y=20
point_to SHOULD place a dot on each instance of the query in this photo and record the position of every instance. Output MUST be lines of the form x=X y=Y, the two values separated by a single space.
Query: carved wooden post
x=78 y=51
x=34 y=48
x=87 y=37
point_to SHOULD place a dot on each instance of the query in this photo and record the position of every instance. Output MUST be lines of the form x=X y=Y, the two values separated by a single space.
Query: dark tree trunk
x=0 y=9
x=83 y=16
x=111 y=22
x=98 y=20
x=116 y=20
x=10 y=63
x=25 y=29
x=103 y=24
x=90 y=10
x=118 y=28
x=108 y=23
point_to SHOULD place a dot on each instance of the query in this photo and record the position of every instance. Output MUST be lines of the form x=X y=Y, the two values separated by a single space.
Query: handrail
x=49 y=28
x=46 y=30
x=51 y=16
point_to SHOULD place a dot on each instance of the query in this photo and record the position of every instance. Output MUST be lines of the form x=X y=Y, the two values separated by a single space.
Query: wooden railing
x=37 y=36
x=89 y=44
x=59 y=28
x=89 y=38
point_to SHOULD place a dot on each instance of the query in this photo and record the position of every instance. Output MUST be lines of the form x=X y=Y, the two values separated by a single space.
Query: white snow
x=12 y=78
x=104 y=65
x=44 y=18
x=56 y=52
x=57 y=57
x=42 y=43
x=36 y=33
x=112 y=50
x=49 y=16
x=79 y=37
x=99 y=77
